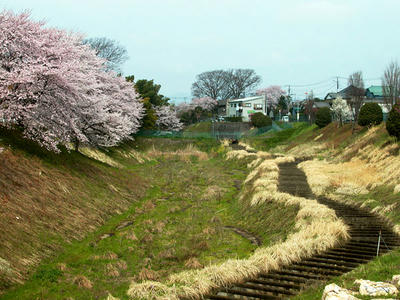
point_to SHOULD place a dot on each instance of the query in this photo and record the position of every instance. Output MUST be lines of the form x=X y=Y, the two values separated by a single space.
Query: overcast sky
x=296 y=42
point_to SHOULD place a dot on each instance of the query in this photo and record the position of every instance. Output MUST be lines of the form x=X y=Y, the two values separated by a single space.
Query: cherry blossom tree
x=183 y=107
x=206 y=103
x=167 y=118
x=341 y=110
x=273 y=93
x=56 y=89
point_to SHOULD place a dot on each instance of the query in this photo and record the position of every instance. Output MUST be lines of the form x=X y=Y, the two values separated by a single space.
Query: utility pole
x=337 y=84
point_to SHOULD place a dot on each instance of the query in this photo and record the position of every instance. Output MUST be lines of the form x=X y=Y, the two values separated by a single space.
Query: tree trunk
x=76 y=145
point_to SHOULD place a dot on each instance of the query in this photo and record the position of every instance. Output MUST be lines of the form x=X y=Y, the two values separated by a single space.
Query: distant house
x=346 y=93
x=245 y=107
x=374 y=92
x=320 y=104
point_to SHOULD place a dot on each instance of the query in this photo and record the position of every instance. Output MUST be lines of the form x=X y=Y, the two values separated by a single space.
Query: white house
x=245 y=107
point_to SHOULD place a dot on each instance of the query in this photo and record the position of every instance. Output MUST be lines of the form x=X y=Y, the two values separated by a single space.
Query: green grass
x=269 y=140
x=204 y=127
x=182 y=216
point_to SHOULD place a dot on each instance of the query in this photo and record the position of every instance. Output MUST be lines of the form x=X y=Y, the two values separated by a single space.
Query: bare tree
x=241 y=81
x=356 y=93
x=220 y=84
x=114 y=53
x=210 y=84
x=391 y=84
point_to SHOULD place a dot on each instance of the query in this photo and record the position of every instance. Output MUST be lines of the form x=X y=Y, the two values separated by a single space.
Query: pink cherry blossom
x=272 y=93
x=167 y=118
x=57 y=90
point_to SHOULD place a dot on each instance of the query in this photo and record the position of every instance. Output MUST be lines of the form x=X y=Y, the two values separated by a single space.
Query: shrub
x=260 y=120
x=393 y=121
x=323 y=117
x=233 y=119
x=370 y=114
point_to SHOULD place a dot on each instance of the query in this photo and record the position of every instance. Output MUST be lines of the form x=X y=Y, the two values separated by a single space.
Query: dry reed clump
x=319 y=229
x=100 y=156
x=239 y=154
x=193 y=263
x=369 y=167
x=254 y=163
x=112 y=270
x=83 y=282
x=246 y=146
x=213 y=192
x=308 y=149
x=348 y=178
x=185 y=155
x=111 y=297
x=138 y=156
x=225 y=143
x=147 y=274
x=110 y=256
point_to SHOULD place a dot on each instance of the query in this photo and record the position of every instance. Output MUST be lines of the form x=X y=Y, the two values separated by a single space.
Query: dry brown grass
x=100 y=156
x=239 y=154
x=318 y=229
x=309 y=149
x=40 y=199
x=193 y=263
x=213 y=192
x=111 y=297
x=138 y=156
x=370 y=166
x=147 y=274
x=353 y=177
x=83 y=282
x=185 y=155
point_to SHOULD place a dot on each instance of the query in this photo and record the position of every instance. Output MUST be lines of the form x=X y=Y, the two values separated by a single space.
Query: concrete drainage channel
x=290 y=280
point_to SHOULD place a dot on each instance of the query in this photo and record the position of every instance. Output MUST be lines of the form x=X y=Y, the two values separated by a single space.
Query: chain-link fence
x=219 y=130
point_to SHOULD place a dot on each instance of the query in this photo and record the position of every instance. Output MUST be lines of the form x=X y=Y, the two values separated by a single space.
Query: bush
x=370 y=114
x=393 y=121
x=233 y=119
x=323 y=117
x=260 y=120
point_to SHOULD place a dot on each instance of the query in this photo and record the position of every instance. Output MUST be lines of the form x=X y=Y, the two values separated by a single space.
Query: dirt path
x=290 y=280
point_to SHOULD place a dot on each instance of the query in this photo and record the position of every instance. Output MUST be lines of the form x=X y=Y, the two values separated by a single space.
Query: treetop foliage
x=55 y=88
x=148 y=89
x=393 y=121
x=260 y=120
x=323 y=117
x=370 y=114
x=225 y=84
x=272 y=93
x=114 y=54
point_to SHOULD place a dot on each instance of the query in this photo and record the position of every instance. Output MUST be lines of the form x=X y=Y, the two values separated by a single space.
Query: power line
x=310 y=84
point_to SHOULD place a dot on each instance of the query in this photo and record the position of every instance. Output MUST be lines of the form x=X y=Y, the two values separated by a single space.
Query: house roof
x=346 y=93
x=321 y=104
x=376 y=90
x=330 y=96
x=247 y=99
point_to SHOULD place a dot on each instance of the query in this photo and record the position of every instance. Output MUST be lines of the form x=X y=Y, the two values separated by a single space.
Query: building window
x=258 y=106
x=247 y=105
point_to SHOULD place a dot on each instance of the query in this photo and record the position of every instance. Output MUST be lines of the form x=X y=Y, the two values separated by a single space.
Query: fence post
x=379 y=243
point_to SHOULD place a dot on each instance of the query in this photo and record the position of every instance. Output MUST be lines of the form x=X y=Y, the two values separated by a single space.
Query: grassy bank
x=271 y=140
x=361 y=168
x=183 y=218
